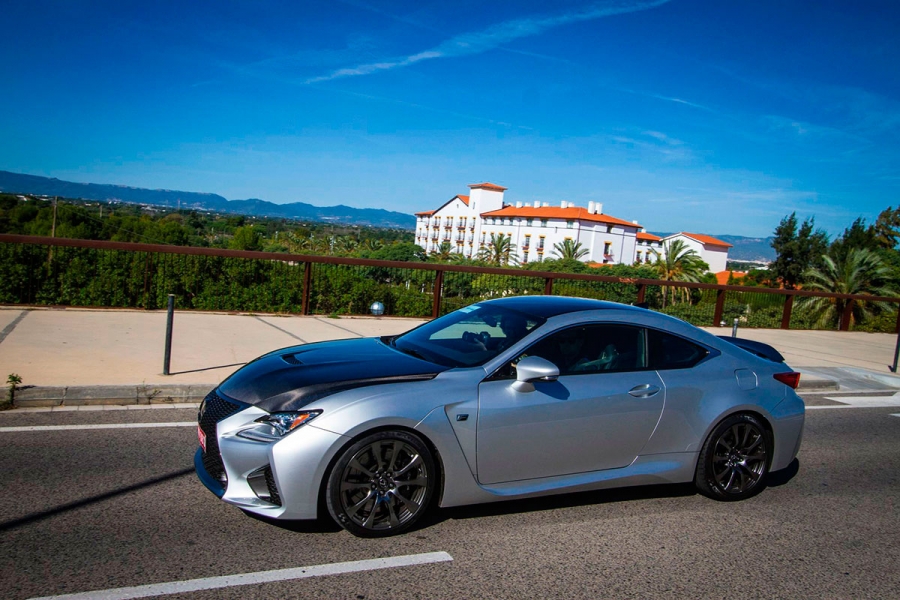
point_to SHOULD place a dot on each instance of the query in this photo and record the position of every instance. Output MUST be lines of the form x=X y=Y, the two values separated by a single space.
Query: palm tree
x=570 y=250
x=500 y=251
x=861 y=271
x=372 y=244
x=443 y=253
x=678 y=262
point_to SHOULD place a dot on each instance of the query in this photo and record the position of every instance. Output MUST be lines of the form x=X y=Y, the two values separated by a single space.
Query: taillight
x=791 y=380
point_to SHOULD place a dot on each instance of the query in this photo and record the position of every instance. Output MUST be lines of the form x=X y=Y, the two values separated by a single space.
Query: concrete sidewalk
x=84 y=356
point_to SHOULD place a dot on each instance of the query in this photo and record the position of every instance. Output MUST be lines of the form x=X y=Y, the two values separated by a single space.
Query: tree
x=246 y=238
x=797 y=251
x=499 y=252
x=570 y=249
x=886 y=229
x=861 y=271
x=403 y=251
x=679 y=262
x=857 y=236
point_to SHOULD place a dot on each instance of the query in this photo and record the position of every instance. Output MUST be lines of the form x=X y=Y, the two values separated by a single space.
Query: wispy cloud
x=477 y=42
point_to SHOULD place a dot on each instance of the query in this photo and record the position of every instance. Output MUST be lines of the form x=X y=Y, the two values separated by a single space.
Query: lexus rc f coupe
x=509 y=398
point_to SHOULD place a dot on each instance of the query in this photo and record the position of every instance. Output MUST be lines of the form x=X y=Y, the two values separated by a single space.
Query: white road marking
x=98 y=426
x=98 y=407
x=896 y=415
x=214 y=583
x=862 y=402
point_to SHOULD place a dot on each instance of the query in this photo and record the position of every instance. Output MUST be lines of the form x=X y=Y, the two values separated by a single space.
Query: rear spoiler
x=758 y=348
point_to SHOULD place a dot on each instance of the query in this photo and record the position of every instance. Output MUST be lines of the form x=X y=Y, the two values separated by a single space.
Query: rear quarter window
x=667 y=351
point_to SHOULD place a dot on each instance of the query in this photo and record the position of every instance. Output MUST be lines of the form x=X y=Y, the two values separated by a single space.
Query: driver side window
x=586 y=349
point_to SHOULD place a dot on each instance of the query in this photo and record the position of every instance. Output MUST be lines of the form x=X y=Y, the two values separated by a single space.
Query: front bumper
x=294 y=467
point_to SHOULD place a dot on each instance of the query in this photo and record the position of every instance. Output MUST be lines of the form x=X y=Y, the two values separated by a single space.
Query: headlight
x=277 y=425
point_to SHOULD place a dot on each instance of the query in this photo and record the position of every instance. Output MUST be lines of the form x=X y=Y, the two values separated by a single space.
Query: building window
x=607 y=248
x=609 y=228
x=529 y=222
x=541 y=244
x=527 y=243
x=543 y=222
x=570 y=224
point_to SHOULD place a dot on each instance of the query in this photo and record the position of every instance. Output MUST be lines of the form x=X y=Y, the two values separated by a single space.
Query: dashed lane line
x=97 y=426
x=215 y=583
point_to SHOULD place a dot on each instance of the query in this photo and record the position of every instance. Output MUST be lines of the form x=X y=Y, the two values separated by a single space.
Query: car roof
x=550 y=306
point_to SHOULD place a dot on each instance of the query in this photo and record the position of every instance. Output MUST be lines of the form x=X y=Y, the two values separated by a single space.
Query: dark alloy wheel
x=382 y=484
x=734 y=462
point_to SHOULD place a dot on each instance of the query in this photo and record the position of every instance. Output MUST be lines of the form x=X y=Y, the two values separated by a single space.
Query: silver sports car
x=503 y=399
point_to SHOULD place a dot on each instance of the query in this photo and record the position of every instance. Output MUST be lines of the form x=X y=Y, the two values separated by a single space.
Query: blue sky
x=707 y=116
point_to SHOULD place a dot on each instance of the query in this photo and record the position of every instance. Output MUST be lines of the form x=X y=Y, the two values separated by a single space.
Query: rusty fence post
x=307 y=278
x=720 y=308
x=438 y=291
x=642 y=293
x=548 y=286
x=786 y=312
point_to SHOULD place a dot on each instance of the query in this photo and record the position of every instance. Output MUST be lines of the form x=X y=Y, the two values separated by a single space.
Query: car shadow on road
x=553 y=502
x=325 y=525
x=779 y=478
x=559 y=501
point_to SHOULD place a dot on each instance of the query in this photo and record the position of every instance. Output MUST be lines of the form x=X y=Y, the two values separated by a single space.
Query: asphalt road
x=84 y=510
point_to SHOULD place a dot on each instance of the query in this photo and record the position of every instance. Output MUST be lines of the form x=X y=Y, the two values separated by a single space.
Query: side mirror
x=533 y=368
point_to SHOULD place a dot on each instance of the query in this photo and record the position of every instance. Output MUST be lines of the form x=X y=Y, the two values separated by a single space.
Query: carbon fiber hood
x=291 y=378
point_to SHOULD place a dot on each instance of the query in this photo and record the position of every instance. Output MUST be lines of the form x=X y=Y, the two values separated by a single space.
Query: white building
x=713 y=251
x=649 y=248
x=467 y=223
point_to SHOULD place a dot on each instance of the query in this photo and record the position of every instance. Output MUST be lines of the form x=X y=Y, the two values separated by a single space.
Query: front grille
x=213 y=409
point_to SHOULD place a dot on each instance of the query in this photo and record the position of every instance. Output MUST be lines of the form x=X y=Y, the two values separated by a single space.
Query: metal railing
x=57 y=271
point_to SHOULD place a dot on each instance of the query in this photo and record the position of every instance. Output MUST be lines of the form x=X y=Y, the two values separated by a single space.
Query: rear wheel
x=734 y=461
x=382 y=484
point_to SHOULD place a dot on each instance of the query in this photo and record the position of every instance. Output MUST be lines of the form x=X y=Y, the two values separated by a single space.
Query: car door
x=597 y=415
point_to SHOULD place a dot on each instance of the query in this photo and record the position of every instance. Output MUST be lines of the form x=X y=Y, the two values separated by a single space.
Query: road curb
x=811 y=383
x=42 y=396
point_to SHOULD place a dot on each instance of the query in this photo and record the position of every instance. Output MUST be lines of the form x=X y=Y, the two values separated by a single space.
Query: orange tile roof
x=649 y=237
x=707 y=239
x=487 y=186
x=465 y=199
x=425 y=213
x=576 y=213
x=723 y=276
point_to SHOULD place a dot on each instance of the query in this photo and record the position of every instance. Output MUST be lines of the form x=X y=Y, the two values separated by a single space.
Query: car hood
x=291 y=378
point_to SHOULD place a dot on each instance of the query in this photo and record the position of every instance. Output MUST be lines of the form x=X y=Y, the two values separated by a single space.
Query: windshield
x=468 y=337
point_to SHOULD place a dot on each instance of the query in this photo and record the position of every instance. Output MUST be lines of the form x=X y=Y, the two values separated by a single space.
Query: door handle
x=644 y=391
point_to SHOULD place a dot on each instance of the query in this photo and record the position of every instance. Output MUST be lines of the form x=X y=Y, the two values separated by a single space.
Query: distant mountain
x=745 y=248
x=749 y=248
x=345 y=215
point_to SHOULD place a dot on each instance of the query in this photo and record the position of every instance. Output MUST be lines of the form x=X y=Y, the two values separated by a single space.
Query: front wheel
x=734 y=461
x=382 y=484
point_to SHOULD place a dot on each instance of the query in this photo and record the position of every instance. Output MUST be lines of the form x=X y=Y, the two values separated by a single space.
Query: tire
x=382 y=484
x=734 y=462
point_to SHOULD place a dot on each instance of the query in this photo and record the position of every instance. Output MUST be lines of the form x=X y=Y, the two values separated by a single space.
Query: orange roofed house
x=467 y=223
x=713 y=251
